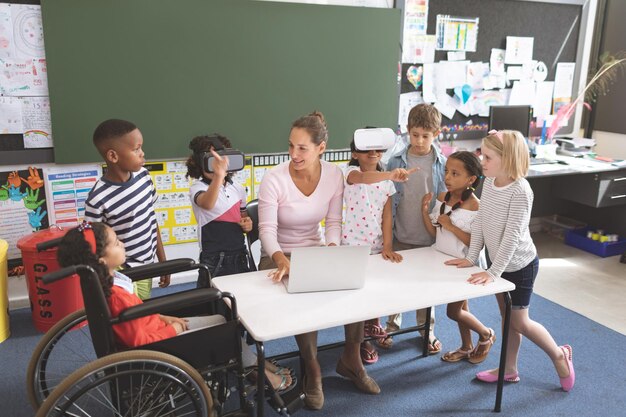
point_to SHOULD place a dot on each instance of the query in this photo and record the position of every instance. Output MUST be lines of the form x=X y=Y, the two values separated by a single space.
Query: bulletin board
x=557 y=26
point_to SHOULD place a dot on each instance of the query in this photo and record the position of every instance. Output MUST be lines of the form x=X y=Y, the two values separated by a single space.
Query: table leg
x=426 y=332
x=505 y=340
x=260 y=406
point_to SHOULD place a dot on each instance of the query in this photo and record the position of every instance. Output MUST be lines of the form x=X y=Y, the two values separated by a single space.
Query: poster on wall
x=177 y=223
x=67 y=189
x=23 y=207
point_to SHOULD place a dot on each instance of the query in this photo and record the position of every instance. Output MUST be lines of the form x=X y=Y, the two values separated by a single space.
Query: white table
x=421 y=280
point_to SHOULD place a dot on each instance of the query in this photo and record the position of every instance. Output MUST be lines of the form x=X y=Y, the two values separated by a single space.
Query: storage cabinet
x=604 y=189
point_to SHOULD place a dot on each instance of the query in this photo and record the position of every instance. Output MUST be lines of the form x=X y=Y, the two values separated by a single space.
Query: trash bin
x=5 y=332
x=48 y=303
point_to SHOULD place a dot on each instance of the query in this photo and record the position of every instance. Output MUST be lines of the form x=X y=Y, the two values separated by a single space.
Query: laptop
x=327 y=268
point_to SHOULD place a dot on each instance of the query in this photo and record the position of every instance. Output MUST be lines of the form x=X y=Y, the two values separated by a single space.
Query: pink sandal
x=368 y=356
x=567 y=383
x=374 y=330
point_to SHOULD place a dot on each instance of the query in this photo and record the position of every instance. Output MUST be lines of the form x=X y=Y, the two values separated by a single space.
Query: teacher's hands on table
x=282 y=267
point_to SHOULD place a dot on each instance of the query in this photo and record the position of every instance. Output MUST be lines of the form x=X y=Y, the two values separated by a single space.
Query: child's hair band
x=87 y=230
x=498 y=134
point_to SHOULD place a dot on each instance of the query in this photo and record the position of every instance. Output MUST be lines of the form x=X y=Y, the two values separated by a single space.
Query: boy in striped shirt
x=124 y=197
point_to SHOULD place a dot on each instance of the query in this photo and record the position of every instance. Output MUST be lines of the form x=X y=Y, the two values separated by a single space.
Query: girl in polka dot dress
x=368 y=218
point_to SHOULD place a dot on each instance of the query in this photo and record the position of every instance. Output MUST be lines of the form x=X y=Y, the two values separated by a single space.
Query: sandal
x=385 y=342
x=434 y=346
x=368 y=356
x=476 y=357
x=456 y=355
x=374 y=330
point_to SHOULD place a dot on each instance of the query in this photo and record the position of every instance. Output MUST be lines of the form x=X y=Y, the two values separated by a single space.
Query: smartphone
x=236 y=160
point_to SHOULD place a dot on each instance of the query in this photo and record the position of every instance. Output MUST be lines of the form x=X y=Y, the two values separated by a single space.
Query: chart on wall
x=23 y=207
x=67 y=188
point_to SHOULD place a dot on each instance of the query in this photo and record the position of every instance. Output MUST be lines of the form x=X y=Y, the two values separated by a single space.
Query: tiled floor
x=585 y=283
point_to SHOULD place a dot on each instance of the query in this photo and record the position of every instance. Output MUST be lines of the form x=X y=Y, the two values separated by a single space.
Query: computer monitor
x=510 y=118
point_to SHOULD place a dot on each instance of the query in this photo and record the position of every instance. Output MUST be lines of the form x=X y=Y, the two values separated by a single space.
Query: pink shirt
x=289 y=219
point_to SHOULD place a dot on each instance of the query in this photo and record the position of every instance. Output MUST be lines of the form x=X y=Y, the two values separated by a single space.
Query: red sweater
x=140 y=331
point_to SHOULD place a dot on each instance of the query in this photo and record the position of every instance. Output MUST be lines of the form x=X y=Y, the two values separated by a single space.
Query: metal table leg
x=505 y=341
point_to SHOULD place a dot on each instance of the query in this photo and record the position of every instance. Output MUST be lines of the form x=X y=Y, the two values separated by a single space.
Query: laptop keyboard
x=539 y=161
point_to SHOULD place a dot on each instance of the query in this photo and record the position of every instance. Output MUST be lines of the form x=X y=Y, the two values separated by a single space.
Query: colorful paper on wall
x=27 y=31
x=36 y=122
x=67 y=188
x=456 y=33
x=11 y=115
x=23 y=207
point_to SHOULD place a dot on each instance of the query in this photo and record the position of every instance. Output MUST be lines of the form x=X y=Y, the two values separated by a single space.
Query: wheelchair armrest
x=161 y=268
x=197 y=296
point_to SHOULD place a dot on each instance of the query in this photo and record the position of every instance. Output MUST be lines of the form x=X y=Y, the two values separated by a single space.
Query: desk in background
x=586 y=190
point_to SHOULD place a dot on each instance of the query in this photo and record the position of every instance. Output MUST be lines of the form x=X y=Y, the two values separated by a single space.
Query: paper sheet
x=563 y=82
x=24 y=77
x=27 y=31
x=452 y=73
x=7 y=46
x=428 y=84
x=407 y=102
x=456 y=33
x=11 y=115
x=418 y=49
x=519 y=50
x=523 y=92
x=476 y=73
x=543 y=99
x=496 y=61
x=67 y=188
x=36 y=121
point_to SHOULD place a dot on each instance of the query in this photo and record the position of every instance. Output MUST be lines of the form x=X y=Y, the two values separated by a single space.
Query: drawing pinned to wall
x=11 y=115
x=496 y=61
x=36 y=122
x=7 y=50
x=23 y=207
x=519 y=49
x=414 y=75
x=27 y=31
x=456 y=33
x=23 y=77
x=407 y=102
x=482 y=100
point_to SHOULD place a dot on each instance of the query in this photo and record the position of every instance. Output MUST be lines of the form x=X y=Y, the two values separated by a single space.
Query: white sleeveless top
x=446 y=241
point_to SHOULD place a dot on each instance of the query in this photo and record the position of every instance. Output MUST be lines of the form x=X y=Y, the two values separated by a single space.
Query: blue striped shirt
x=128 y=208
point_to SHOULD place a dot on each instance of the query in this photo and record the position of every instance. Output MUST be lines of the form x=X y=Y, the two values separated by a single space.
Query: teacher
x=294 y=198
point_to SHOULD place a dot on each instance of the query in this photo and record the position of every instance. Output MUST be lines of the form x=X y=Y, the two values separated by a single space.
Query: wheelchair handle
x=60 y=274
x=66 y=272
x=48 y=244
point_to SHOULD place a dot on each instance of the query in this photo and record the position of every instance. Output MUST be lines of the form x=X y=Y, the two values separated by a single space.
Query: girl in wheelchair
x=97 y=245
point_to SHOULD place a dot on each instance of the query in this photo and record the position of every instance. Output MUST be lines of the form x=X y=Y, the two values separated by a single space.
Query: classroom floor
x=592 y=286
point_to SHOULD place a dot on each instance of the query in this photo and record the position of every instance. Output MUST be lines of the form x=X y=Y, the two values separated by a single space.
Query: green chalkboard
x=246 y=69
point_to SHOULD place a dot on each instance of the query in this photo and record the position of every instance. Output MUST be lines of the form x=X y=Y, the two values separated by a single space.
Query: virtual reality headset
x=236 y=160
x=374 y=139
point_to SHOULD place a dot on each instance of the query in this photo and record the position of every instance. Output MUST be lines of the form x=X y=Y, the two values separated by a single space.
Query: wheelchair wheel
x=132 y=383
x=62 y=350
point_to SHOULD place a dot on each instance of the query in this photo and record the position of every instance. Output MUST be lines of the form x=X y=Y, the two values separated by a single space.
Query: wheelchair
x=171 y=377
x=67 y=345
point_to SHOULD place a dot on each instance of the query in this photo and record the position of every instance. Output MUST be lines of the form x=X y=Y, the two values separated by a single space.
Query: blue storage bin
x=578 y=239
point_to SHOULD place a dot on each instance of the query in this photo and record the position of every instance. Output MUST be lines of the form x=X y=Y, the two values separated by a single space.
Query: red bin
x=48 y=303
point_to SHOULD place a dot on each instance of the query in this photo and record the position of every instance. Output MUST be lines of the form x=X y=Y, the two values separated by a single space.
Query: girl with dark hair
x=218 y=204
x=96 y=245
x=450 y=222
